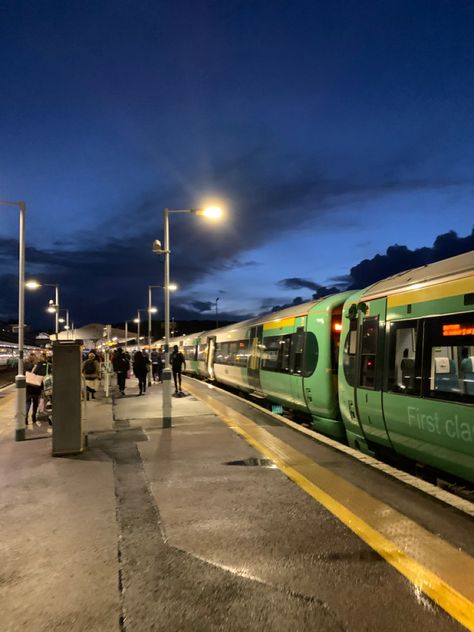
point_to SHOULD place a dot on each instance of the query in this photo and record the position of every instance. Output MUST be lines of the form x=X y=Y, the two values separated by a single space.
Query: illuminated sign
x=458 y=330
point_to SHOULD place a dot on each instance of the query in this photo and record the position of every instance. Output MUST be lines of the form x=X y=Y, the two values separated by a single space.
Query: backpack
x=89 y=367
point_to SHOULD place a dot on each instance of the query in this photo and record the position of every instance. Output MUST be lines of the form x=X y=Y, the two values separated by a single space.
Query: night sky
x=331 y=131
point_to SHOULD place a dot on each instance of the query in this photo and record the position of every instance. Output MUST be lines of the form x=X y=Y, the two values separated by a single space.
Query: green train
x=387 y=368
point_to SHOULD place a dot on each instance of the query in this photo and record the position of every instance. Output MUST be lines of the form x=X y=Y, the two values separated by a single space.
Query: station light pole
x=53 y=307
x=20 y=380
x=217 y=317
x=213 y=213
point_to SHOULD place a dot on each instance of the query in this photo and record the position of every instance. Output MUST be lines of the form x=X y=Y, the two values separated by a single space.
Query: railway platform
x=230 y=520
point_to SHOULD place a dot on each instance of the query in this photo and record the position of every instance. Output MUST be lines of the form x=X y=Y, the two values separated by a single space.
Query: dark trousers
x=32 y=399
x=142 y=382
x=157 y=370
x=121 y=377
x=177 y=379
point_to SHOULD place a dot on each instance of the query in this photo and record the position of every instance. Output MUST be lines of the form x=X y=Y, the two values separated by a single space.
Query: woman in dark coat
x=140 y=370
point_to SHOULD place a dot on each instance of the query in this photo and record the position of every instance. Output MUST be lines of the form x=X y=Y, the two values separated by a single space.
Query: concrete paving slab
x=58 y=541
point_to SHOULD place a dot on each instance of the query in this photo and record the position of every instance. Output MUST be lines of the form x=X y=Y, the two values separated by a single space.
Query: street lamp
x=217 y=317
x=212 y=213
x=150 y=310
x=53 y=307
x=20 y=381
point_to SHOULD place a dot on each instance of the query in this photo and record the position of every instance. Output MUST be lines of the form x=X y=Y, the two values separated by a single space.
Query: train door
x=370 y=360
x=255 y=336
x=297 y=367
x=211 y=352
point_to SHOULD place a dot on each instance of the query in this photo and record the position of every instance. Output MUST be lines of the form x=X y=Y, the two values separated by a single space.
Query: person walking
x=121 y=366
x=91 y=373
x=178 y=363
x=140 y=370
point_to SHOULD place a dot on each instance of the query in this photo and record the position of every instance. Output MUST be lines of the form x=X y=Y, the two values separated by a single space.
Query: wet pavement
x=187 y=528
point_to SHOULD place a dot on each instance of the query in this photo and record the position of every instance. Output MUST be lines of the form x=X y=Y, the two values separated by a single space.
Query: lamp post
x=53 y=307
x=61 y=320
x=217 y=317
x=20 y=380
x=212 y=212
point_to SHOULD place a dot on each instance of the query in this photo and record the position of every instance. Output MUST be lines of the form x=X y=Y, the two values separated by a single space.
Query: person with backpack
x=178 y=363
x=91 y=373
x=121 y=366
x=140 y=369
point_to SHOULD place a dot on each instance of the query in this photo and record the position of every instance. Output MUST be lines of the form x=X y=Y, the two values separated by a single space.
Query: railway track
x=7 y=377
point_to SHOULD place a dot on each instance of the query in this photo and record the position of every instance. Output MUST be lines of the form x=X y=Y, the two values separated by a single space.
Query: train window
x=404 y=368
x=242 y=353
x=221 y=352
x=285 y=352
x=276 y=353
x=368 y=354
x=271 y=353
x=448 y=365
x=202 y=353
x=190 y=352
x=350 y=350
x=298 y=351
x=311 y=352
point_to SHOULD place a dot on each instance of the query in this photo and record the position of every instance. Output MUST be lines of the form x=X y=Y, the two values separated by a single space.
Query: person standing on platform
x=91 y=373
x=121 y=365
x=33 y=390
x=155 y=360
x=178 y=363
x=140 y=370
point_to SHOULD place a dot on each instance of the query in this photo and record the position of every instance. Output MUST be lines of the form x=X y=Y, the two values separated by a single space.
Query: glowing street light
x=212 y=212
x=53 y=307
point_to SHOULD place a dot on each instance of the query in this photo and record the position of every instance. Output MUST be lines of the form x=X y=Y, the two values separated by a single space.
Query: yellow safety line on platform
x=441 y=571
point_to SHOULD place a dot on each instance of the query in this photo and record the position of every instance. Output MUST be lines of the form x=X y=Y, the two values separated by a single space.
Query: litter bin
x=67 y=413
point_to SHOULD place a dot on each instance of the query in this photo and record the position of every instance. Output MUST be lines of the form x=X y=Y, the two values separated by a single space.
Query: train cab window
x=350 y=351
x=202 y=353
x=449 y=358
x=368 y=356
x=404 y=374
x=311 y=354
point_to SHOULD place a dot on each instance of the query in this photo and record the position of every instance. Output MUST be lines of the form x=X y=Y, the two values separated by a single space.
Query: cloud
x=295 y=283
x=399 y=258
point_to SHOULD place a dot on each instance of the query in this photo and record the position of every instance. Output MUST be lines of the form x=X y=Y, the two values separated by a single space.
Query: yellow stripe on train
x=433 y=292
x=279 y=323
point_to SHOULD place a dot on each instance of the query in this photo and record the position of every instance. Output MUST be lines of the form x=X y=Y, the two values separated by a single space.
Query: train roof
x=431 y=274
x=289 y=312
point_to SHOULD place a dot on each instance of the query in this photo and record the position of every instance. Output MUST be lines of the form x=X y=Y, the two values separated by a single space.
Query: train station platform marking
x=442 y=572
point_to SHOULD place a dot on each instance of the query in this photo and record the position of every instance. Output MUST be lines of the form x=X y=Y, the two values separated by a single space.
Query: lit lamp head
x=136 y=320
x=32 y=284
x=212 y=212
x=153 y=310
x=51 y=307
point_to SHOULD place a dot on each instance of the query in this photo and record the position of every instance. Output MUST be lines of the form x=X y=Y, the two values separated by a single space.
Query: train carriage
x=402 y=380
x=407 y=366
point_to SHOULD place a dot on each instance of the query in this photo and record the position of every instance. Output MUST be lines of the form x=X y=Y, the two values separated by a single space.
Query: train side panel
x=429 y=390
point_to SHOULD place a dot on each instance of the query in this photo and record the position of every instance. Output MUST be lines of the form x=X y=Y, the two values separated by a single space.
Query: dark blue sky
x=331 y=131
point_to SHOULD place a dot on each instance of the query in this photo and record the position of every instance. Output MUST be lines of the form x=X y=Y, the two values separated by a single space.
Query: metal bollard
x=20 y=414
x=167 y=398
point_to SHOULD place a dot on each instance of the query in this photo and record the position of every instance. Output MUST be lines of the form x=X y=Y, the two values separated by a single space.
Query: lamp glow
x=213 y=212
x=32 y=285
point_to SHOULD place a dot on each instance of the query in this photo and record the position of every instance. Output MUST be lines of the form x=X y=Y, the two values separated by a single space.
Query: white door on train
x=211 y=345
